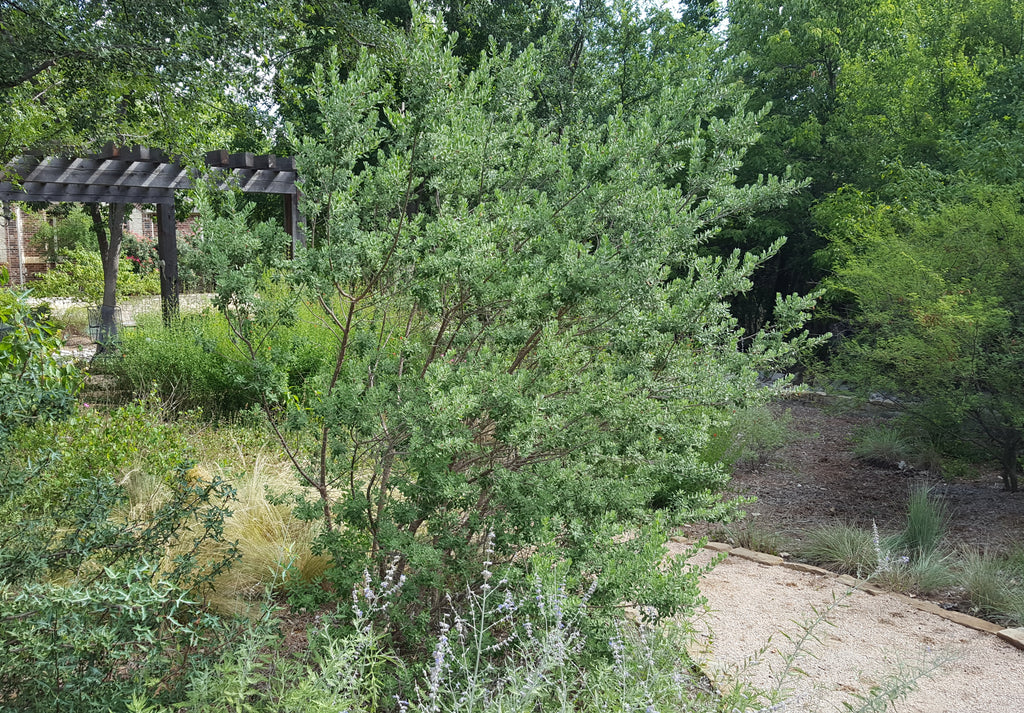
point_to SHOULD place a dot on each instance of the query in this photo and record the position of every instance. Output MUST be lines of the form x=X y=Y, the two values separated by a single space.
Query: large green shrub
x=938 y=312
x=34 y=383
x=79 y=274
x=72 y=232
x=525 y=338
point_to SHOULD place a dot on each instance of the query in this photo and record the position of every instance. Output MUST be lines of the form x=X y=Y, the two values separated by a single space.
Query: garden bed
x=816 y=481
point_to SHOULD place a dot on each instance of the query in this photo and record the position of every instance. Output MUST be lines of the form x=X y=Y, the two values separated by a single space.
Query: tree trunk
x=110 y=254
x=1011 y=451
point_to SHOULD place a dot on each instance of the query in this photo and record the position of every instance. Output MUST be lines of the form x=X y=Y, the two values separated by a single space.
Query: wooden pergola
x=144 y=175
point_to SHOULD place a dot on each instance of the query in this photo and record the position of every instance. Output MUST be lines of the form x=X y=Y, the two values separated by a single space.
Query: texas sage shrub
x=524 y=334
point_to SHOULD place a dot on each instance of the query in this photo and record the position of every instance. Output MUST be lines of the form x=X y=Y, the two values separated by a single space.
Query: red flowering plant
x=140 y=251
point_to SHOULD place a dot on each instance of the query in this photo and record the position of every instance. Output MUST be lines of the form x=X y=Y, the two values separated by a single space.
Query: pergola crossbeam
x=263 y=181
x=119 y=173
x=78 y=193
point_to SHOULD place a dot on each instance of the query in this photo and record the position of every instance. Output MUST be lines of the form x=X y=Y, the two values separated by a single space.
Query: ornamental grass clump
x=842 y=547
x=994 y=584
x=927 y=521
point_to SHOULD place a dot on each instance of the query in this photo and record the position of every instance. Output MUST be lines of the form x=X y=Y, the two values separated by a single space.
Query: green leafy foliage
x=194 y=363
x=80 y=495
x=523 y=336
x=103 y=536
x=71 y=232
x=92 y=647
x=79 y=274
x=857 y=88
x=78 y=75
x=938 y=317
x=34 y=383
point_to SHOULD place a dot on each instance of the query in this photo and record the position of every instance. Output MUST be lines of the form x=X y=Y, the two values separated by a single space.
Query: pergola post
x=167 y=251
x=293 y=220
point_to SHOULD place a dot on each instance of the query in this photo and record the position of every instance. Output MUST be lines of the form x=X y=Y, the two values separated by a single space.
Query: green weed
x=747 y=434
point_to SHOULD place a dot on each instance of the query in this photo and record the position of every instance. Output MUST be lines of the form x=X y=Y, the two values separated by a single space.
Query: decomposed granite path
x=755 y=602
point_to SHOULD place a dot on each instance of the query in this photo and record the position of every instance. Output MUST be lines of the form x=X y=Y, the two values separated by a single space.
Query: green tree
x=75 y=75
x=856 y=88
x=526 y=339
x=816 y=65
x=938 y=314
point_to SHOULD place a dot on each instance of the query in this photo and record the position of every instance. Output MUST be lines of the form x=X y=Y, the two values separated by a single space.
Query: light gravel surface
x=867 y=639
x=130 y=308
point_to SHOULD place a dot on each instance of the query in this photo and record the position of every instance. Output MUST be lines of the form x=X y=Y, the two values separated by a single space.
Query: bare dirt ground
x=816 y=480
x=755 y=611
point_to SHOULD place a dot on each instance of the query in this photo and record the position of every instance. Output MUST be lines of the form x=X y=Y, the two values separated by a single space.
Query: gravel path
x=866 y=640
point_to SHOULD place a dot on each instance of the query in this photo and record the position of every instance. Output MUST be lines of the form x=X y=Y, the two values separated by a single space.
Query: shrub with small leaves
x=525 y=327
x=35 y=384
x=90 y=646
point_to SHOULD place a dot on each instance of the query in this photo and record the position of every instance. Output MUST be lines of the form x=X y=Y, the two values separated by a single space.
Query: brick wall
x=143 y=222
x=23 y=259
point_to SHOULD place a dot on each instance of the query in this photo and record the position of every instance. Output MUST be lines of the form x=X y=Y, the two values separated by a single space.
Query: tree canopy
x=74 y=75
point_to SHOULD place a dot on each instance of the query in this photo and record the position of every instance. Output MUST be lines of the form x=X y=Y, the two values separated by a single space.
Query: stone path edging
x=1014 y=636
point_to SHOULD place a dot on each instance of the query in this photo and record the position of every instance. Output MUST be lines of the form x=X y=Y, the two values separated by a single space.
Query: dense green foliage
x=938 y=317
x=523 y=338
x=71 y=231
x=75 y=492
x=85 y=647
x=905 y=116
x=194 y=363
x=103 y=549
x=857 y=88
x=34 y=384
x=75 y=75
x=78 y=273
